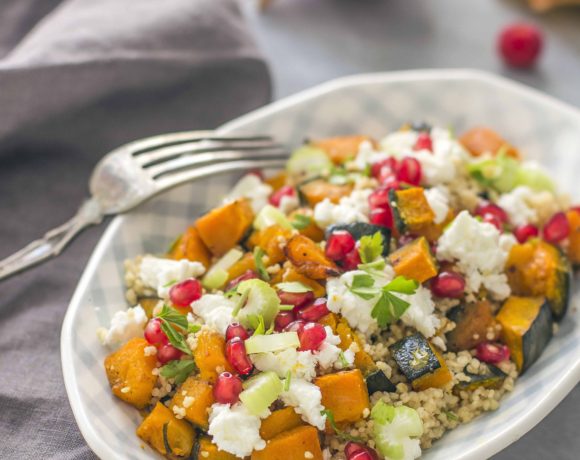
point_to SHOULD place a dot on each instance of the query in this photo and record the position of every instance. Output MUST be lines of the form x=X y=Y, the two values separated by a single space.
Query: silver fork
x=135 y=172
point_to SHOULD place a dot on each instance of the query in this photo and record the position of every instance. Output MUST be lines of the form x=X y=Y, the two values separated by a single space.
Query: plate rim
x=484 y=450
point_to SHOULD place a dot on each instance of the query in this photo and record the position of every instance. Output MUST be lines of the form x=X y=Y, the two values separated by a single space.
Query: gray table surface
x=311 y=41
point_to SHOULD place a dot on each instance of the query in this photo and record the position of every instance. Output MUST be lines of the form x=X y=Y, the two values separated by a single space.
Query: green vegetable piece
x=308 y=162
x=217 y=275
x=270 y=215
x=262 y=300
x=393 y=428
x=260 y=392
x=274 y=342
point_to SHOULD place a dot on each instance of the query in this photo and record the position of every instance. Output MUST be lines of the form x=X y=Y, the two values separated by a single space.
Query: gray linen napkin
x=77 y=78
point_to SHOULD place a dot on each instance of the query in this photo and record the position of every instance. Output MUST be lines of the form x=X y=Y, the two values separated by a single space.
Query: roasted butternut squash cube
x=411 y=210
x=210 y=355
x=342 y=148
x=272 y=240
x=277 y=181
x=317 y=190
x=574 y=238
x=289 y=274
x=480 y=140
x=205 y=449
x=130 y=373
x=247 y=262
x=345 y=394
x=526 y=328
x=279 y=421
x=309 y=259
x=222 y=228
x=166 y=433
x=190 y=246
x=415 y=261
x=196 y=397
x=312 y=231
x=292 y=445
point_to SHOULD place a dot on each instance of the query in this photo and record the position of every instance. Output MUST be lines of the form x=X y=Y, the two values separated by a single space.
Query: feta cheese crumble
x=517 y=205
x=160 y=274
x=251 y=187
x=235 y=430
x=215 y=311
x=480 y=251
x=420 y=312
x=438 y=199
x=125 y=325
x=301 y=364
x=289 y=203
x=351 y=208
x=306 y=399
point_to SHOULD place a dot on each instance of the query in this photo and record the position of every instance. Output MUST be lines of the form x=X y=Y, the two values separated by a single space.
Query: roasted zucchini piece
x=526 y=328
x=411 y=210
x=423 y=366
x=314 y=191
x=342 y=148
x=222 y=228
x=196 y=397
x=309 y=259
x=473 y=320
x=130 y=373
x=279 y=421
x=539 y=269
x=345 y=394
x=415 y=261
x=360 y=229
x=493 y=379
x=190 y=246
x=298 y=443
x=166 y=433
x=378 y=381
x=206 y=450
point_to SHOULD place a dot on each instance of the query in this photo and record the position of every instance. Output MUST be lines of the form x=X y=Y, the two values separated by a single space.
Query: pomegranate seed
x=524 y=232
x=520 y=44
x=295 y=298
x=352 y=260
x=382 y=217
x=557 y=228
x=314 y=311
x=168 y=353
x=248 y=275
x=424 y=142
x=354 y=451
x=406 y=239
x=339 y=243
x=184 y=293
x=390 y=182
x=237 y=357
x=227 y=388
x=236 y=330
x=312 y=336
x=379 y=198
x=383 y=167
x=283 y=319
x=448 y=284
x=493 y=220
x=493 y=209
x=410 y=171
x=295 y=326
x=492 y=353
x=575 y=208
x=276 y=197
x=154 y=334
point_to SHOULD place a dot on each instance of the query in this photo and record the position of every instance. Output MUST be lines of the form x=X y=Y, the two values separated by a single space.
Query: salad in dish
x=356 y=305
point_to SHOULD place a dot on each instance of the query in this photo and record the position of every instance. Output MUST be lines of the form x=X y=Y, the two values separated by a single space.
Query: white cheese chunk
x=215 y=310
x=351 y=208
x=125 y=325
x=438 y=199
x=251 y=187
x=160 y=274
x=306 y=399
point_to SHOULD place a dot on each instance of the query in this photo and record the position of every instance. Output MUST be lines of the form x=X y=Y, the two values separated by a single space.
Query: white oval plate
x=545 y=129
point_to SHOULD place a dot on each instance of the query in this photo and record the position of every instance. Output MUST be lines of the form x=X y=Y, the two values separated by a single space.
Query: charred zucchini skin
x=360 y=229
x=400 y=224
x=378 y=381
x=414 y=356
x=491 y=380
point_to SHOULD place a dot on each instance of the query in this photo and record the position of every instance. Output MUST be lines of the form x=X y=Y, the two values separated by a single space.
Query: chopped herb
x=370 y=247
x=377 y=265
x=286 y=307
x=294 y=287
x=171 y=315
x=301 y=221
x=193 y=328
x=287 y=381
x=367 y=171
x=166 y=440
x=240 y=303
x=175 y=338
x=363 y=286
x=343 y=360
x=232 y=292
x=258 y=259
x=178 y=370
x=169 y=283
x=261 y=327
x=451 y=416
x=339 y=433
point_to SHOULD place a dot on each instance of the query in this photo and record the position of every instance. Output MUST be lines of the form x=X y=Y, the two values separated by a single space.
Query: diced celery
x=273 y=342
x=534 y=177
x=262 y=300
x=393 y=429
x=294 y=287
x=260 y=392
x=217 y=275
x=244 y=186
x=307 y=162
x=270 y=215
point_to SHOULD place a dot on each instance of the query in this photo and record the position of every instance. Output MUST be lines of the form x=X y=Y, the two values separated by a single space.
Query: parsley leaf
x=178 y=370
x=389 y=308
x=301 y=221
x=339 y=433
x=402 y=285
x=175 y=338
x=193 y=328
x=258 y=259
x=363 y=286
x=171 y=315
x=293 y=287
x=370 y=247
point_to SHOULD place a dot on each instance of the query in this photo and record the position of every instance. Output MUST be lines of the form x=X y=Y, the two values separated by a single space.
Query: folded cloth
x=77 y=78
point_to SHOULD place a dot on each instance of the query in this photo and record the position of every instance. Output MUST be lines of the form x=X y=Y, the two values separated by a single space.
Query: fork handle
x=53 y=241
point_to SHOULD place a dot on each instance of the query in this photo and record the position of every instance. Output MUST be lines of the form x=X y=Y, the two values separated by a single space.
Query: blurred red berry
x=520 y=44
